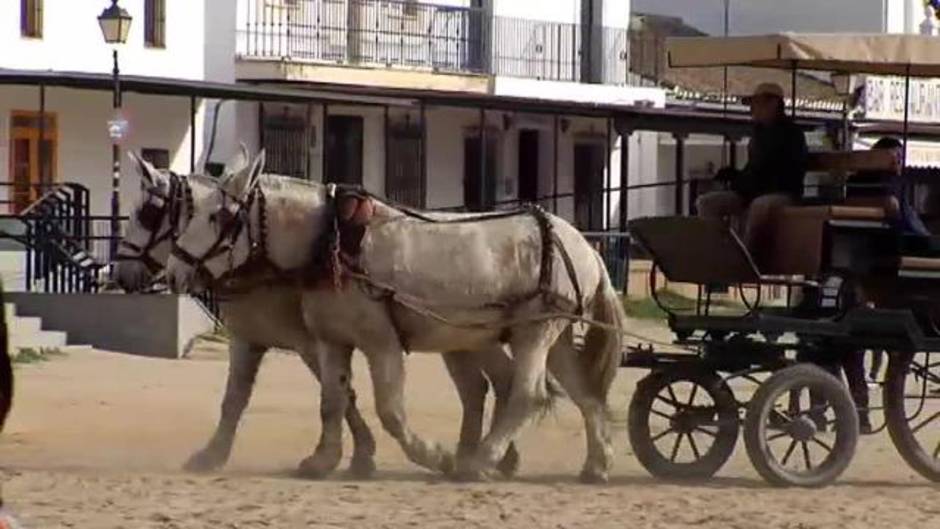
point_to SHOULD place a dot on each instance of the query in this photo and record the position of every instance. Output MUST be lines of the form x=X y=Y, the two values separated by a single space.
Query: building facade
x=64 y=36
x=431 y=154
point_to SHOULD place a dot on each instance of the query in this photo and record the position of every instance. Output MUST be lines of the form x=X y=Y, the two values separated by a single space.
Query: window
x=410 y=8
x=155 y=23
x=159 y=158
x=31 y=18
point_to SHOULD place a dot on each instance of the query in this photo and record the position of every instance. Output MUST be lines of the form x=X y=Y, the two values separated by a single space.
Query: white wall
x=565 y=11
x=84 y=147
x=72 y=39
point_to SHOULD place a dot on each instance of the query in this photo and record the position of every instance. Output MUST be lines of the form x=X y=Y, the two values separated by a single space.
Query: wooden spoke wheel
x=801 y=427
x=683 y=423
x=912 y=410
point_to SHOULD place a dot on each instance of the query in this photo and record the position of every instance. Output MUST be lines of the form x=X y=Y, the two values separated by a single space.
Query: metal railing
x=560 y=52
x=434 y=37
x=378 y=32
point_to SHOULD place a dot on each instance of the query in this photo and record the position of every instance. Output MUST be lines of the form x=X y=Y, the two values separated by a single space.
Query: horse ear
x=239 y=161
x=242 y=183
x=149 y=175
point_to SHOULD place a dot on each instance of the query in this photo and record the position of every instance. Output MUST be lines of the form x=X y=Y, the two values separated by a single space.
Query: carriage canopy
x=875 y=54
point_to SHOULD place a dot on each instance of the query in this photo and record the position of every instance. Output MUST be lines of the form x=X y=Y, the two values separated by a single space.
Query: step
x=24 y=325
x=56 y=339
x=27 y=331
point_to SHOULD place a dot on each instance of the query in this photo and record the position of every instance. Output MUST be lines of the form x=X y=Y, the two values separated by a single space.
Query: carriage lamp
x=115 y=25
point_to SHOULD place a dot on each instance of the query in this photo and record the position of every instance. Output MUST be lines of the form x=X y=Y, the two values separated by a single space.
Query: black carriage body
x=866 y=256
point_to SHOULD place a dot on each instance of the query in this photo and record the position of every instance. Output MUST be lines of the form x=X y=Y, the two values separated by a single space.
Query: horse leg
x=563 y=364
x=497 y=365
x=530 y=345
x=363 y=462
x=244 y=361
x=471 y=388
x=334 y=362
x=387 y=366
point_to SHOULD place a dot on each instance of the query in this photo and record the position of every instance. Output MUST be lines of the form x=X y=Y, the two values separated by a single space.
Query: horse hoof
x=471 y=476
x=362 y=467
x=205 y=461
x=314 y=468
x=509 y=465
x=593 y=477
x=448 y=464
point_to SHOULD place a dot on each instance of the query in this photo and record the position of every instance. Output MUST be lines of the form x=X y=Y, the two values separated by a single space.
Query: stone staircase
x=26 y=332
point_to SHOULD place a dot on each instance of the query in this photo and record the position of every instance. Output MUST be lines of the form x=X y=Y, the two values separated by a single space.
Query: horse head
x=161 y=212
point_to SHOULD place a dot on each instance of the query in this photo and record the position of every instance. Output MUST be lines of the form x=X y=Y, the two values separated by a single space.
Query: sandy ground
x=96 y=439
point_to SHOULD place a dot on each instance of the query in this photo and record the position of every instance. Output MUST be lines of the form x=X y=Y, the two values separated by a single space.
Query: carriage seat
x=797 y=247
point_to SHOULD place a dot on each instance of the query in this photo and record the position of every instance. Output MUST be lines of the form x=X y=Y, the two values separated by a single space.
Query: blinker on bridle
x=151 y=216
x=230 y=228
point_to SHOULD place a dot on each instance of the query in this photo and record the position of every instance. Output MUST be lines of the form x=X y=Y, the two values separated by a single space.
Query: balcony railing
x=442 y=38
x=376 y=32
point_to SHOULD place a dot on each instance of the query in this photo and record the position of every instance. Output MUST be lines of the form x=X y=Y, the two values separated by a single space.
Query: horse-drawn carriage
x=800 y=426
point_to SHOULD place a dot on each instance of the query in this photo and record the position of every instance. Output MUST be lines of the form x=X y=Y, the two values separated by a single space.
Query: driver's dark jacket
x=777 y=156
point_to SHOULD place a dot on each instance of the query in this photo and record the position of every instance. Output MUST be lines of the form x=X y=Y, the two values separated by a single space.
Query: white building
x=493 y=50
x=428 y=74
x=166 y=40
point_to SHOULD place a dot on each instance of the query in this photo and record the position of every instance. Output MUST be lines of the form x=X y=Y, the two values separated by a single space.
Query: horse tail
x=603 y=348
x=6 y=368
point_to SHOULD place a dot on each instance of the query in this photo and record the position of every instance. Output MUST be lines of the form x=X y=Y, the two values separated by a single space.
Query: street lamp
x=115 y=24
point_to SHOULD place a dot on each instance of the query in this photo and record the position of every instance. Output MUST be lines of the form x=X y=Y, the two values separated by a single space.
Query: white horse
x=162 y=211
x=421 y=285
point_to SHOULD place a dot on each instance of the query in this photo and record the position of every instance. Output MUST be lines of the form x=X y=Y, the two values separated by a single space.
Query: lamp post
x=115 y=24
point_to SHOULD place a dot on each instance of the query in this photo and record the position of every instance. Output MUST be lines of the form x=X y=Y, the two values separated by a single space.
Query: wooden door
x=32 y=159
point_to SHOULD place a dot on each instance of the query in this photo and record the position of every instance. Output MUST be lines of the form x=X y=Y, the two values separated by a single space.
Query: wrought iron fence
x=380 y=32
x=437 y=37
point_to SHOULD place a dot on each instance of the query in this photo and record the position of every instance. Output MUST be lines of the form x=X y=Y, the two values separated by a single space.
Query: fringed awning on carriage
x=875 y=54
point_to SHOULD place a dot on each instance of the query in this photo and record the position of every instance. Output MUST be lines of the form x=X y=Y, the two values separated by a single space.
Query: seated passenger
x=892 y=186
x=773 y=176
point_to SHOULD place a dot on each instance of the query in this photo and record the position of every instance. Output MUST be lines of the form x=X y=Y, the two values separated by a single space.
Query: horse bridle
x=231 y=227
x=151 y=217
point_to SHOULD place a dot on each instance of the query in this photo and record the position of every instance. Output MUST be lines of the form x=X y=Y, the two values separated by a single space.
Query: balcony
x=432 y=38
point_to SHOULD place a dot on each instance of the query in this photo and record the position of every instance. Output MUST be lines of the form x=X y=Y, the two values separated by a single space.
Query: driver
x=773 y=176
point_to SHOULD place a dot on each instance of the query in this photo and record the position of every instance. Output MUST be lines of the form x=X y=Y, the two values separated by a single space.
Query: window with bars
x=31 y=18
x=155 y=23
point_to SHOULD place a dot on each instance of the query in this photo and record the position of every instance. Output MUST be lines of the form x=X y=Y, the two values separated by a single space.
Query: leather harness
x=337 y=251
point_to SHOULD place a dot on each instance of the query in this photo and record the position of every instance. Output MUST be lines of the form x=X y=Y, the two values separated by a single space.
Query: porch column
x=555 y=165
x=483 y=203
x=680 y=172
x=608 y=179
x=624 y=179
x=42 y=143
x=385 y=135
x=733 y=152
x=192 y=134
x=324 y=163
x=424 y=155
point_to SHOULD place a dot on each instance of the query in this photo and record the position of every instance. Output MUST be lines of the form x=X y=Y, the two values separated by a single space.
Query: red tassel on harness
x=353 y=214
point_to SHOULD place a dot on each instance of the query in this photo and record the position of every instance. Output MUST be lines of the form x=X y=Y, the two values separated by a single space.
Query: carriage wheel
x=912 y=410
x=683 y=423
x=794 y=439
